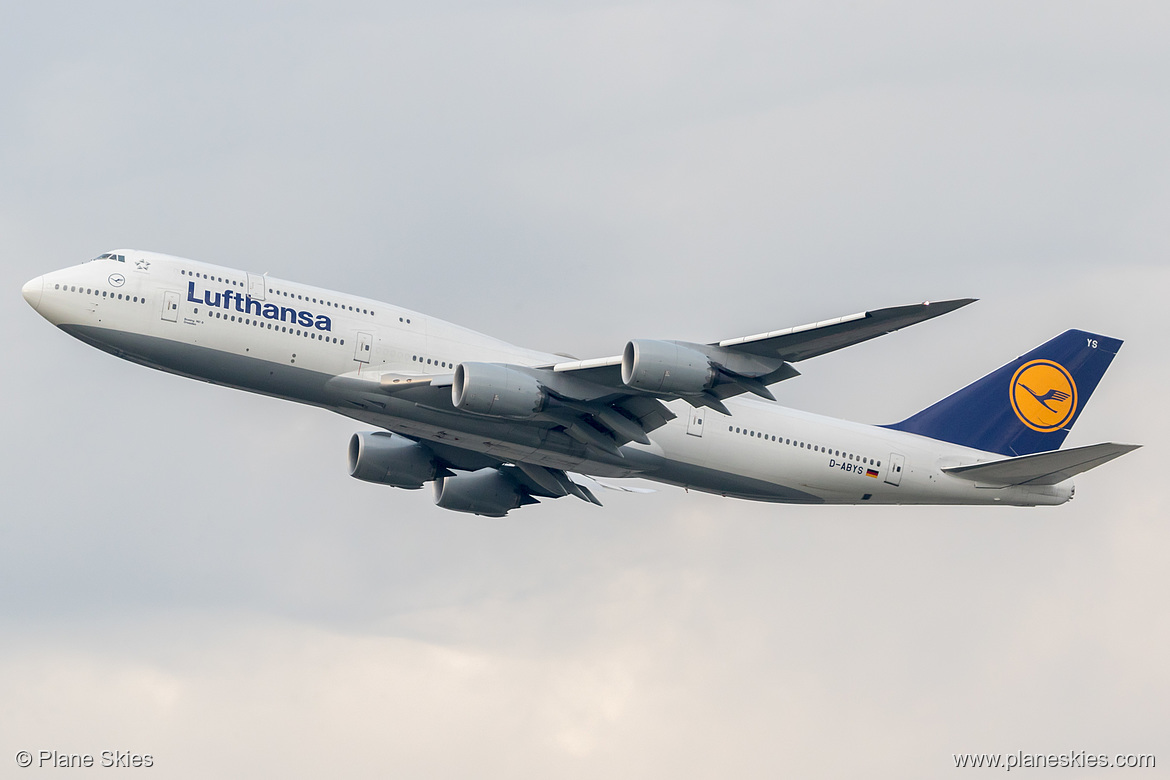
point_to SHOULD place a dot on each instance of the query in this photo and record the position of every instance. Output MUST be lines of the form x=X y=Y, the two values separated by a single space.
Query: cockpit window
x=110 y=256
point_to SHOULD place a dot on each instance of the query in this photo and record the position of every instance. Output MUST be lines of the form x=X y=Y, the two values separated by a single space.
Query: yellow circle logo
x=1044 y=395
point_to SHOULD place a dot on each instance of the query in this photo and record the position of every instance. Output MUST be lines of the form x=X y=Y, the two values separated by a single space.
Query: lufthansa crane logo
x=1044 y=395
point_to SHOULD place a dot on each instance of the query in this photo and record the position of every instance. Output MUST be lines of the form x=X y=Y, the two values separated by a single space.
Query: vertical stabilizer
x=1027 y=406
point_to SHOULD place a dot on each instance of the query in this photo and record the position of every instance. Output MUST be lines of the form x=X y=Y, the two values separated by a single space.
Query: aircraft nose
x=32 y=291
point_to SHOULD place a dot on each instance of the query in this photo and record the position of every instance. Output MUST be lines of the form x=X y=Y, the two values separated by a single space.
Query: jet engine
x=485 y=492
x=497 y=390
x=666 y=367
x=389 y=459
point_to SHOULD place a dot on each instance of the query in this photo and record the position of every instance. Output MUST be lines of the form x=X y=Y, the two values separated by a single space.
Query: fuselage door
x=894 y=469
x=170 y=310
x=365 y=344
x=695 y=423
x=256 y=287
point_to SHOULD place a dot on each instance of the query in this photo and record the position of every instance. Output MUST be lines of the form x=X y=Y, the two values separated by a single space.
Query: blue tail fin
x=1025 y=407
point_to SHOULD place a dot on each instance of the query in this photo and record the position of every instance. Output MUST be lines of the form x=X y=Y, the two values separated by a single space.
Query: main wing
x=819 y=338
x=607 y=402
x=751 y=363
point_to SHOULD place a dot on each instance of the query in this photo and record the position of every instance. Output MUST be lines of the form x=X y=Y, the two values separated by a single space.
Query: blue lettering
x=269 y=311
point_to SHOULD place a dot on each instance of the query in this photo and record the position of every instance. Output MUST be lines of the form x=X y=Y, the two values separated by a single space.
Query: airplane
x=495 y=427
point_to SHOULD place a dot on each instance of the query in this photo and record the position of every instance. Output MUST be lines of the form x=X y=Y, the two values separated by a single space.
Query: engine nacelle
x=390 y=460
x=484 y=492
x=666 y=367
x=497 y=390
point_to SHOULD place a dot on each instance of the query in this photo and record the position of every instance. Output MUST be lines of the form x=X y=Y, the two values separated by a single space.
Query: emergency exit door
x=170 y=311
x=256 y=286
x=894 y=470
x=363 y=347
x=695 y=423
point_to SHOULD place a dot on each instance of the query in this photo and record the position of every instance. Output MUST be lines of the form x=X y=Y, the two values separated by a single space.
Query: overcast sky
x=188 y=571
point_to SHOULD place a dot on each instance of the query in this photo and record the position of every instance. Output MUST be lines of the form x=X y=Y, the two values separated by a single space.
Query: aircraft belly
x=720 y=482
x=503 y=439
x=287 y=381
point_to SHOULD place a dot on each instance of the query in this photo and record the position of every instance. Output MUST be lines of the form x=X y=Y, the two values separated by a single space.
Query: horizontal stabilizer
x=1043 y=468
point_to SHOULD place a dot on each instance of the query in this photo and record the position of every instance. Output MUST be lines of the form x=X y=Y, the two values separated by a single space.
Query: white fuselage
x=291 y=340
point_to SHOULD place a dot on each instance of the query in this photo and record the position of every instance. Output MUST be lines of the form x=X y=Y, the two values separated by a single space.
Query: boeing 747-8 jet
x=495 y=426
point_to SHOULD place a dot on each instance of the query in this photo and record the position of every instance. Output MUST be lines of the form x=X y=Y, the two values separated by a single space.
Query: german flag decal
x=871 y=473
